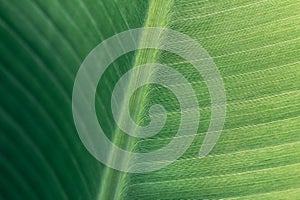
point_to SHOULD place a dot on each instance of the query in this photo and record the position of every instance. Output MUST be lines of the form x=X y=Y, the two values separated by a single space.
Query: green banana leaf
x=255 y=46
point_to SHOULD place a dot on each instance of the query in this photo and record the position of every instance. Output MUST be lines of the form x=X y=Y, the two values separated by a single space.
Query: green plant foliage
x=255 y=45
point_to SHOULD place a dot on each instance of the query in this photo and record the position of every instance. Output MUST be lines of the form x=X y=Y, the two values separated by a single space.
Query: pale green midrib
x=157 y=16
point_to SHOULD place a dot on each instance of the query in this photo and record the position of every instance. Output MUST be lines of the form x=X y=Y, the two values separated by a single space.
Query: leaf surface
x=256 y=47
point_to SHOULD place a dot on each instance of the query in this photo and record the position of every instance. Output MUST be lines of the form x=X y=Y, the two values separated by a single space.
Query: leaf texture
x=255 y=45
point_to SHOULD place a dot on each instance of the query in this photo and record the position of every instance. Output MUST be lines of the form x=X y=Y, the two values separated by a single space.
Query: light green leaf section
x=256 y=47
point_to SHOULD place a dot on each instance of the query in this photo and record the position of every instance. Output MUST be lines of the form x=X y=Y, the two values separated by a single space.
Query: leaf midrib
x=157 y=16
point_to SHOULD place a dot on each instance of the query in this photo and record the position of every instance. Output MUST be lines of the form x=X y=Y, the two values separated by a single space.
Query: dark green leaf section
x=42 y=46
